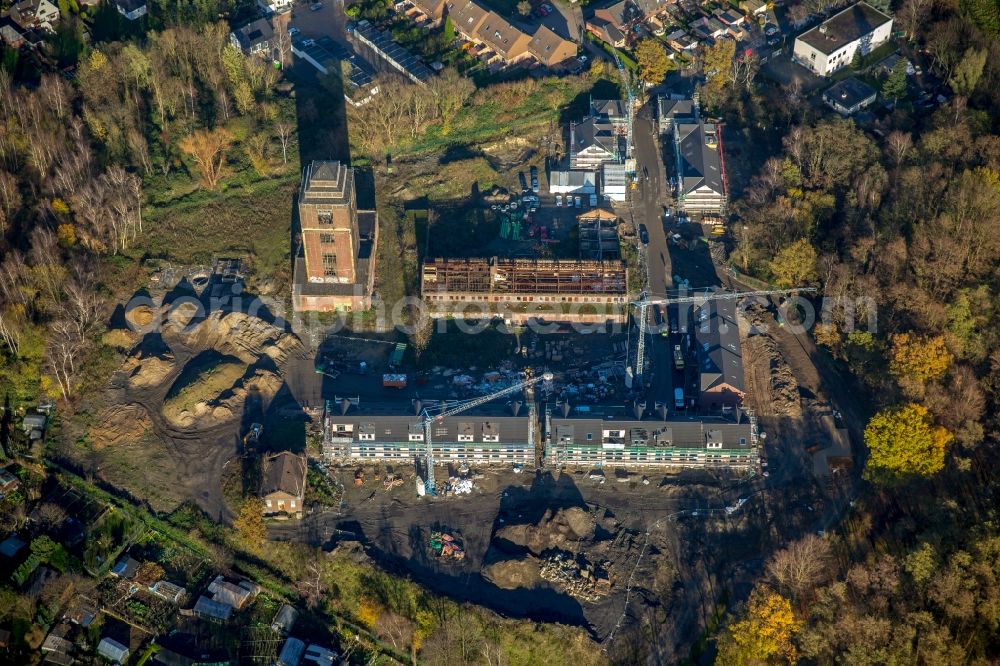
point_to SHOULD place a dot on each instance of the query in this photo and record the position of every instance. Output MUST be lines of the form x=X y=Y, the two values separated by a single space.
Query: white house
x=833 y=43
x=274 y=6
x=573 y=182
x=131 y=9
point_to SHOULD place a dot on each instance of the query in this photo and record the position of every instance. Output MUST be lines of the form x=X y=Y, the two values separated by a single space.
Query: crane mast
x=450 y=409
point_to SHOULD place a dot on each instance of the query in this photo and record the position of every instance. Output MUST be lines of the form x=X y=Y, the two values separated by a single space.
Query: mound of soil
x=512 y=574
x=559 y=529
x=201 y=388
x=246 y=337
x=141 y=316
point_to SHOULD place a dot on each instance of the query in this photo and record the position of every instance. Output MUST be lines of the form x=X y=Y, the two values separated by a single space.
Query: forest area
x=180 y=117
x=901 y=228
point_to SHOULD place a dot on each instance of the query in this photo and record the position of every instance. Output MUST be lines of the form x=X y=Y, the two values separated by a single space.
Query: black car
x=524 y=181
x=643 y=234
x=534 y=179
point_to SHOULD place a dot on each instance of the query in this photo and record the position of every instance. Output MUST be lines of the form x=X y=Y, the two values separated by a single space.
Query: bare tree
x=285 y=132
x=798 y=569
x=912 y=14
x=65 y=347
x=10 y=200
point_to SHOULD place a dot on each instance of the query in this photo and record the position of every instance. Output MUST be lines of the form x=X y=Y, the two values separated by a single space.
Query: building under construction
x=586 y=291
x=598 y=436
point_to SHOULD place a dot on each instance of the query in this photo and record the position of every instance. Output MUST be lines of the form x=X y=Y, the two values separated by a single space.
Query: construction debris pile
x=446 y=547
x=458 y=486
x=778 y=389
x=581 y=580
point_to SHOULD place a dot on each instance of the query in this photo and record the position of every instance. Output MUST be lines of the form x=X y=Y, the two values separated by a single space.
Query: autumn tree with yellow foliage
x=764 y=635
x=904 y=442
x=208 y=150
x=919 y=358
x=249 y=525
x=795 y=265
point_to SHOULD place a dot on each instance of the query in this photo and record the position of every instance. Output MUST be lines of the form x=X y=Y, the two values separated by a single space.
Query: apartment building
x=700 y=167
x=832 y=45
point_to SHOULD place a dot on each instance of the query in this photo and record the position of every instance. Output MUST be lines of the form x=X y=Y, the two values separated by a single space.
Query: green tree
x=43 y=547
x=653 y=61
x=967 y=73
x=795 y=265
x=895 y=85
x=902 y=443
x=449 y=30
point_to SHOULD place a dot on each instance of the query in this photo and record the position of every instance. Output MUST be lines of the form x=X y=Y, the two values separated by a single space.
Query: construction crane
x=645 y=301
x=452 y=408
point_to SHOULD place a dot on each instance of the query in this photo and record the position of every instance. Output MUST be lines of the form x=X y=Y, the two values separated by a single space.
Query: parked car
x=308 y=42
x=316 y=6
x=577 y=201
x=548 y=8
x=643 y=234
x=293 y=31
x=559 y=200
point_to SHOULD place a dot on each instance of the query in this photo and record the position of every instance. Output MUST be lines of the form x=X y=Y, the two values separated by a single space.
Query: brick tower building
x=334 y=271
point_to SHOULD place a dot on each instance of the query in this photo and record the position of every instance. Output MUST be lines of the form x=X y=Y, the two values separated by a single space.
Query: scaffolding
x=525 y=276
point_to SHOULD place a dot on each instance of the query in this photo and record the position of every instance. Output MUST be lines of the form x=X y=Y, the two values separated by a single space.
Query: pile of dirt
x=141 y=316
x=119 y=424
x=219 y=397
x=144 y=369
x=238 y=334
x=779 y=382
x=559 y=529
x=515 y=573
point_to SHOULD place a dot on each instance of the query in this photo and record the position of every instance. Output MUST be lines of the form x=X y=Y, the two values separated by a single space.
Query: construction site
x=522 y=289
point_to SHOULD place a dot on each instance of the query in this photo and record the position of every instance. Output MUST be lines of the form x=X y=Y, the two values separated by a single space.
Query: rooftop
x=849 y=93
x=845 y=27
x=284 y=472
x=699 y=156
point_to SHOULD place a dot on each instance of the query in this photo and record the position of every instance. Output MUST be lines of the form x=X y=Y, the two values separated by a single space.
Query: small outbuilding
x=849 y=96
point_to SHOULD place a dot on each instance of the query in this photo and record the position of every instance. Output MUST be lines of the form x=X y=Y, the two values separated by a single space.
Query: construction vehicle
x=253 y=435
x=446 y=547
x=678 y=357
x=452 y=408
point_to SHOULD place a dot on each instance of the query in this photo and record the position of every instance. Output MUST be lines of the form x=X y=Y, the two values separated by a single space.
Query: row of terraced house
x=492 y=38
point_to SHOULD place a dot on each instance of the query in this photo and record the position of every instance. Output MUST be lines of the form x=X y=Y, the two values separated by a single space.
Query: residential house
x=133 y=10
x=700 y=167
x=832 y=45
x=550 y=49
x=274 y=6
x=680 y=41
x=606 y=31
x=433 y=10
x=708 y=27
x=674 y=108
x=614 y=112
x=593 y=143
x=33 y=425
x=506 y=42
x=754 y=7
x=11 y=33
x=284 y=485
x=730 y=17
x=467 y=17
x=35 y=14
x=254 y=38
x=113 y=651
x=849 y=96
x=720 y=358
